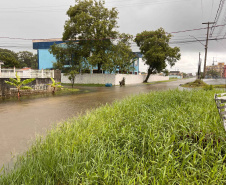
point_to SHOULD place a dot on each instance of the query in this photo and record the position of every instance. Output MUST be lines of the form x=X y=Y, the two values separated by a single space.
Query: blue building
x=46 y=59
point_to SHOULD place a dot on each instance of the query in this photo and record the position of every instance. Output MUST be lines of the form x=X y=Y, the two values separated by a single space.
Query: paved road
x=21 y=120
x=215 y=81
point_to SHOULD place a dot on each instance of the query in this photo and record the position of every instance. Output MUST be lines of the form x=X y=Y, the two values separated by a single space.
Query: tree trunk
x=73 y=81
x=18 y=94
x=53 y=91
x=149 y=73
x=99 y=67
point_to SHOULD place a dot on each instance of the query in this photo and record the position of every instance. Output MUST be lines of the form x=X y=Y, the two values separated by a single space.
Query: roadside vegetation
x=19 y=60
x=196 y=83
x=19 y=84
x=55 y=85
x=168 y=137
x=89 y=85
x=170 y=80
x=200 y=84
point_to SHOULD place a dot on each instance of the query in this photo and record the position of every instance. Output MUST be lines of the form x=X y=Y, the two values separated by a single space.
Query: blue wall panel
x=45 y=45
x=46 y=59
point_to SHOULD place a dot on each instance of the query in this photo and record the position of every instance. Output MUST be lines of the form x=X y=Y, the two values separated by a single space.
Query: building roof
x=45 y=43
x=24 y=69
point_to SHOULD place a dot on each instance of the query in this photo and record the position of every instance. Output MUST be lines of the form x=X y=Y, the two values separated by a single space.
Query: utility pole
x=199 y=66
x=206 y=47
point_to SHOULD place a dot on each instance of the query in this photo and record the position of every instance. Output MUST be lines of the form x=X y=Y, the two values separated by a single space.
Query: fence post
x=42 y=72
x=14 y=71
x=53 y=73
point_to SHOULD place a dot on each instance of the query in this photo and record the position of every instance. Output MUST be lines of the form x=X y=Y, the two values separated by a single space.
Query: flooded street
x=21 y=120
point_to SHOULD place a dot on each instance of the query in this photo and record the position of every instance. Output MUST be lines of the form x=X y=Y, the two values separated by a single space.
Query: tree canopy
x=28 y=59
x=213 y=73
x=9 y=58
x=154 y=45
x=19 y=60
x=70 y=59
x=94 y=26
x=121 y=55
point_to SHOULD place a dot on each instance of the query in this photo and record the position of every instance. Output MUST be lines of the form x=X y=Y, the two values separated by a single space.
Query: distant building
x=176 y=74
x=189 y=75
x=219 y=68
x=46 y=59
x=224 y=72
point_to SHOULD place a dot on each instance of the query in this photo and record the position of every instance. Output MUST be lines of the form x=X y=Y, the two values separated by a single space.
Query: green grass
x=195 y=84
x=86 y=85
x=69 y=89
x=200 y=84
x=169 y=137
x=170 y=80
x=219 y=86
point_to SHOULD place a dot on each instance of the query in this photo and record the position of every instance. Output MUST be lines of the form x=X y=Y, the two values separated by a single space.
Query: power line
x=173 y=41
x=183 y=31
x=192 y=41
x=221 y=4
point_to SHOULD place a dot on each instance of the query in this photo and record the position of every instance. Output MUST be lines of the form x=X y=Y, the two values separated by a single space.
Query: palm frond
x=14 y=81
x=17 y=77
x=28 y=81
x=11 y=83
x=53 y=80
x=25 y=87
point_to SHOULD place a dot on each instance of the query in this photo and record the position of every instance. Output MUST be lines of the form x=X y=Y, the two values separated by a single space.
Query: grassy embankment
x=170 y=80
x=200 y=84
x=169 y=137
x=85 y=85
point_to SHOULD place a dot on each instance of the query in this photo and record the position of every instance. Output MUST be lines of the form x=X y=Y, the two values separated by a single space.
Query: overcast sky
x=43 y=19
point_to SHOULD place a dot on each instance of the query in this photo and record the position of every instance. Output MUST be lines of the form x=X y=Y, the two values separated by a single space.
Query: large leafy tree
x=9 y=58
x=154 y=45
x=28 y=59
x=213 y=73
x=70 y=59
x=94 y=26
x=121 y=55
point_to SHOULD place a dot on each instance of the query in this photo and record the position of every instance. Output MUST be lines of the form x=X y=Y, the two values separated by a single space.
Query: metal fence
x=220 y=100
x=28 y=73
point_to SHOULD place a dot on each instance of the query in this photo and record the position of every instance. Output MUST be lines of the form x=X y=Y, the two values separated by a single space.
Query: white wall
x=142 y=66
x=111 y=78
x=129 y=78
x=90 y=78
x=154 y=78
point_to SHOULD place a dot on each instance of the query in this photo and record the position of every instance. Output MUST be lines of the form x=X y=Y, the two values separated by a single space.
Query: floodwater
x=21 y=120
x=215 y=81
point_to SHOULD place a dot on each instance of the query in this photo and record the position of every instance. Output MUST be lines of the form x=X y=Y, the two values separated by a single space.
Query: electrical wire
x=221 y=4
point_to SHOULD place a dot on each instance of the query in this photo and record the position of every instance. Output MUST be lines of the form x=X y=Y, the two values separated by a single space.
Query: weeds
x=196 y=83
x=170 y=137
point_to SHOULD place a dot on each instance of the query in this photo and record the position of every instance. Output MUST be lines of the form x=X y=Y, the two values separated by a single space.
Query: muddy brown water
x=21 y=120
